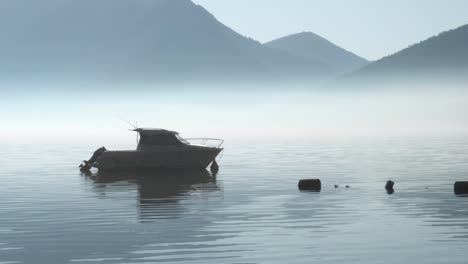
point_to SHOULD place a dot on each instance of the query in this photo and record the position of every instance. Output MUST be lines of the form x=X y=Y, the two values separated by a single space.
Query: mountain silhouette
x=134 y=40
x=314 y=47
x=441 y=56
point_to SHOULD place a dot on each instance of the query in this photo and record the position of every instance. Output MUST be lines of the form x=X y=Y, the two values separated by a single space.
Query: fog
x=235 y=113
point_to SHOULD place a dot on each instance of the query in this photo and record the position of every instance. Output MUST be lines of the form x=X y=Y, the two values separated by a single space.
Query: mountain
x=133 y=39
x=314 y=47
x=441 y=56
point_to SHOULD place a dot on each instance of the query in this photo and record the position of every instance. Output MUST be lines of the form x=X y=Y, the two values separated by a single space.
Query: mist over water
x=93 y=113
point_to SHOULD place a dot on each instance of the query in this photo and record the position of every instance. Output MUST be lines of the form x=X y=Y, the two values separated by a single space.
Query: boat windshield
x=160 y=140
x=181 y=139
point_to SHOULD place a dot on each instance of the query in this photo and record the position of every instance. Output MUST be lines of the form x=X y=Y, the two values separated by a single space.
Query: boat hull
x=181 y=158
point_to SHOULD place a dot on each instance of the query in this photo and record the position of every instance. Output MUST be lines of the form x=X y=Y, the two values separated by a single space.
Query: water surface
x=251 y=212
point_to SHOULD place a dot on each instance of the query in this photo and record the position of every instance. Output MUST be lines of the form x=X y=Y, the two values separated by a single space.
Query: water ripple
x=251 y=212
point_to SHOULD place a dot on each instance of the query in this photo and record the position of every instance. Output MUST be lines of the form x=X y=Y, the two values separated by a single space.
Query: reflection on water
x=251 y=212
x=436 y=208
x=158 y=192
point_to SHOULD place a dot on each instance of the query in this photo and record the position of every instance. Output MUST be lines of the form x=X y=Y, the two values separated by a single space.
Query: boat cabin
x=151 y=138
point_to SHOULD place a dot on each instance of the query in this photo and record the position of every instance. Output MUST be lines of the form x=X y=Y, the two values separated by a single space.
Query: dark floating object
x=389 y=187
x=347 y=186
x=214 y=167
x=336 y=186
x=461 y=188
x=314 y=185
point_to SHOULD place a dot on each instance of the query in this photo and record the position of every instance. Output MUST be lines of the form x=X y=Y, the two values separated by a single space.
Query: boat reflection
x=159 y=193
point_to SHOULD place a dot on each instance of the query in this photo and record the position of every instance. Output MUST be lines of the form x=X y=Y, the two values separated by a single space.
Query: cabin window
x=160 y=140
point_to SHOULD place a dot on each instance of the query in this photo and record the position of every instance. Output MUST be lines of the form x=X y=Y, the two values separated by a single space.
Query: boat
x=158 y=149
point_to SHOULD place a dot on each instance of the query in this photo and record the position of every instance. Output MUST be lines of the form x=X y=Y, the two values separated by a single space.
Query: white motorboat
x=158 y=149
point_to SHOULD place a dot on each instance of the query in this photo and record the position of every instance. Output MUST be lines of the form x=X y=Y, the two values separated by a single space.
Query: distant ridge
x=134 y=40
x=441 y=56
x=314 y=47
x=177 y=40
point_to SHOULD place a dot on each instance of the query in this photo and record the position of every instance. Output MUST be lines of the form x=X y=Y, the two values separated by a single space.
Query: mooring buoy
x=461 y=188
x=314 y=185
x=389 y=187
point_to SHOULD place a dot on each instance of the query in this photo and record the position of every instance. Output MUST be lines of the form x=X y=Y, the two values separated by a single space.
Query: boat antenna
x=137 y=134
x=135 y=126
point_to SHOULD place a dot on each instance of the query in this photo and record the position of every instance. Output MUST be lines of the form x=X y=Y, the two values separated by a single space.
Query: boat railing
x=210 y=142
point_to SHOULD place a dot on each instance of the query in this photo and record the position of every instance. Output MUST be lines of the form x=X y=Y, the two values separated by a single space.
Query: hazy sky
x=370 y=28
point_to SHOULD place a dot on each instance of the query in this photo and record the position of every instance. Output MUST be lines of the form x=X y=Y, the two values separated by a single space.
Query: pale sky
x=369 y=28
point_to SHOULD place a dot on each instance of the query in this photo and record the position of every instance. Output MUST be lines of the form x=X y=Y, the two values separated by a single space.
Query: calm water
x=251 y=212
